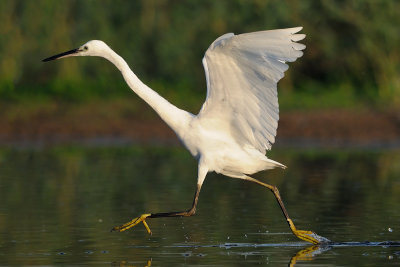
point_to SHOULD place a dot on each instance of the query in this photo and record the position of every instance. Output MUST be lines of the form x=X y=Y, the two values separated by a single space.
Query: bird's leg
x=143 y=217
x=308 y=236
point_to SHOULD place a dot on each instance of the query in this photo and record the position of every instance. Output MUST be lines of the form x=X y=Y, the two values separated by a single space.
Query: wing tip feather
x=295 y=29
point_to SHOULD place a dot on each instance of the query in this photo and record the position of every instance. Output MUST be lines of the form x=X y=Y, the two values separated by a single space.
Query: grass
x=320 y=97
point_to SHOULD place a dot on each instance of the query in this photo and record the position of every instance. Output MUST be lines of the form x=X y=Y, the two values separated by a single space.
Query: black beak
x=70 y=52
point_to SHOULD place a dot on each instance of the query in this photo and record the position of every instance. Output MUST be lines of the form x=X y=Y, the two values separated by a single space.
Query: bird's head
x=91 y=48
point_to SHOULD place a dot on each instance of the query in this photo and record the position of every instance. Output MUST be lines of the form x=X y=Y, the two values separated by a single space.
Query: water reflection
x=305 y=254
x=309 y=253
x=57 y=206
x=126 y=264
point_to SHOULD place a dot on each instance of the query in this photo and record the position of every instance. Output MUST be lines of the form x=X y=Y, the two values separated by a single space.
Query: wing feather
x=242 y=72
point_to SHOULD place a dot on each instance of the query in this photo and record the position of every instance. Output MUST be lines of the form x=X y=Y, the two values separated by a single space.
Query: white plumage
x=242 y=73
x=237 y=123
x=241 y=112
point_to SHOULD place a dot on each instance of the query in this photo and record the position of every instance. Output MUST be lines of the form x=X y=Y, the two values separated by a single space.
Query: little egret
x=237 y=123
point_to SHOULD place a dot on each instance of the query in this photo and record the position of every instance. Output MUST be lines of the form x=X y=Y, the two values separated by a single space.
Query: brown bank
x=123 y=122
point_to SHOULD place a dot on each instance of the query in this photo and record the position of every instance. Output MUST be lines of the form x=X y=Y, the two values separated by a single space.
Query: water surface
x=57 y=206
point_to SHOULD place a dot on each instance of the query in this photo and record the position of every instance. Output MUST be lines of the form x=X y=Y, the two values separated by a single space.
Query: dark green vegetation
x=57 y=206
x=352 y=56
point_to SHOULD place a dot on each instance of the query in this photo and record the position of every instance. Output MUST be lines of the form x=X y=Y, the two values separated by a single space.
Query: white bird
x=237 y=123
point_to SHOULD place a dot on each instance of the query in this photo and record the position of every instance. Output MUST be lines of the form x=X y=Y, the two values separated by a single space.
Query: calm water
x=57 y=207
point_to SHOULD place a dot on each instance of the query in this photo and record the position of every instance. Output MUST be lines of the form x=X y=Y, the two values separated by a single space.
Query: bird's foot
x=308 y=236
x=132 y=223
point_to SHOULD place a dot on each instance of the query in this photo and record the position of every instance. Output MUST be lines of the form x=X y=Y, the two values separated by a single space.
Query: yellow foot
x=308 y=236
x=132 y=223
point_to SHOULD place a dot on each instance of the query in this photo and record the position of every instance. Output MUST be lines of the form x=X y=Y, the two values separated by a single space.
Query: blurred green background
x=352 y=56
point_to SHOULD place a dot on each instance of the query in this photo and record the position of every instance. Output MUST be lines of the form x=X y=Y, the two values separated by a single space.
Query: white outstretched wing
x=242 y=72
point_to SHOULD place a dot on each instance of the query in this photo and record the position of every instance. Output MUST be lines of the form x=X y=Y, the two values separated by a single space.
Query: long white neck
x=176 y=118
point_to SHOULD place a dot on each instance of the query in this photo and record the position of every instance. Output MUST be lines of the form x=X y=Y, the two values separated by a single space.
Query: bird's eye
x=85 y=48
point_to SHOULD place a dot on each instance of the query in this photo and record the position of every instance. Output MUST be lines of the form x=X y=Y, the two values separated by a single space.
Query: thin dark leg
x=275 y=191
x=143 y=217
x=304 y=235
x=186 y=213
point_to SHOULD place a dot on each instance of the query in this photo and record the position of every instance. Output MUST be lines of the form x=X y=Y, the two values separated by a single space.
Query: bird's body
x=237 y=124
x=217 y=149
